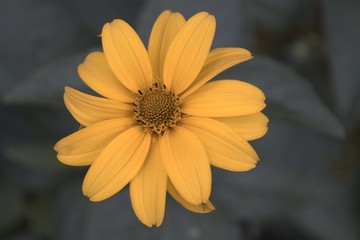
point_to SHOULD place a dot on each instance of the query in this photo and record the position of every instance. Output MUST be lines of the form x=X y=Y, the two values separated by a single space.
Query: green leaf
x=343 y=48
x=289 y=96
x=78 y=218
x=46 y=86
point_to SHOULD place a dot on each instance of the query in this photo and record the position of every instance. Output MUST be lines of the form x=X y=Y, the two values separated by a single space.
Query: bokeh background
x=306 y=185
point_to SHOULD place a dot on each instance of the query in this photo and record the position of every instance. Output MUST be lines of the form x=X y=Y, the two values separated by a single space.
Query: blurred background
x=306 y=185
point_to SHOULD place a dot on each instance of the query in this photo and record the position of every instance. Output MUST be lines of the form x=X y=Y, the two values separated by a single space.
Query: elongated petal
x=87 y=109
x=188 y=52
x=126 y=55
x=117 y=164
x=250 y=127
x=148 y=188
x=225 y=148
x=186 y=164
x=83 y=159
x=163 y=33
x=218 y=60
x=97 y=74
x=224 y=98
x=83 y=146
x=201 y=208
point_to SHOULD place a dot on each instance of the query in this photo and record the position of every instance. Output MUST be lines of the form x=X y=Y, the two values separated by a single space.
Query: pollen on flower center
x=156 y=109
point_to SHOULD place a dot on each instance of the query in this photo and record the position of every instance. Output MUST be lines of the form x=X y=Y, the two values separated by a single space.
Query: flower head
x=160 y=123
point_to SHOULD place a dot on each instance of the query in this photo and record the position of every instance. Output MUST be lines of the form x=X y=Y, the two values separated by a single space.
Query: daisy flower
x=159 y=123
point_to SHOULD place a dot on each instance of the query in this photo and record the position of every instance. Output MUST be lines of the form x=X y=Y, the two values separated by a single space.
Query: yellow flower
x=160 y=124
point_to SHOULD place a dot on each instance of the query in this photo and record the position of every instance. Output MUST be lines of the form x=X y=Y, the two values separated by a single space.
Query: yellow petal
x=250 y=127
x=117 y=164
x=188 y=52
x=225 y=148
x=218 y=60
x=126 y=55
x=186 y=164
x=225 y=98
x=82 y=147
x=96 y=73
x=83 y=159
x=87 y=109
x=165 y=29
x=201 y=208
x=148 y=188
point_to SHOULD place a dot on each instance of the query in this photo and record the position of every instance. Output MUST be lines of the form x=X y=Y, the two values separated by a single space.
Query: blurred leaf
x=34 y=125
x=31 y=178
x=35 y=32
x=78 y=218
x=37 y=123
x=41 y=216
x=231 y=27
x=46 y=86
x=292 y=181
x=328 y=222
x=96 y=13
x=289 y=96
x=281 y=15
x=180 y=224
x=11 y=206
x=40 y=156
x=5 y=80
x=20 y=236
x=341 y=19
x=14 y=124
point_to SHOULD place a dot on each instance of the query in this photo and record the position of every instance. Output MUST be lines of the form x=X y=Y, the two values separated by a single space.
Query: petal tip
x=158 y=224
x=118 y=22
x=208 y=206
x=56 y=146
x=203 y=13
x=79 y=68
x=105 y=27
x=91 y=199
x=166 y=12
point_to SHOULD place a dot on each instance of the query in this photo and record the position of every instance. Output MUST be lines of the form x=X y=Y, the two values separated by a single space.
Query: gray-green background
x=306 y=185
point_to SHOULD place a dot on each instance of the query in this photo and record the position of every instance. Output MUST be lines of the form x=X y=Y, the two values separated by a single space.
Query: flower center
x=157 y=109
